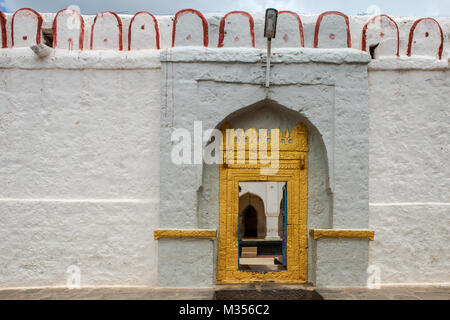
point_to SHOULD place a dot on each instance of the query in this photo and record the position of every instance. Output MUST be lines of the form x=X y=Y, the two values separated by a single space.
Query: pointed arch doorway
x=243 y=162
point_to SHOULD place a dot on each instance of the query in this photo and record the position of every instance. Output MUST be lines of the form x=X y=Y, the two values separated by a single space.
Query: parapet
x=381 y=35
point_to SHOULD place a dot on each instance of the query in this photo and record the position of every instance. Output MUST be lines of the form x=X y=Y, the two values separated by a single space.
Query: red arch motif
x=55 y=28
x=155 y=25
x=222 y=27
x=319 y=21
x=204 y=23
x=119 y=22
x=364 y=32
x=39 y=25
x=300 y=25
x=411 y=37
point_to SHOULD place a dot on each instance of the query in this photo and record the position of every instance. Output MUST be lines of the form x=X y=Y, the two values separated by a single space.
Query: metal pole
x=269 y=47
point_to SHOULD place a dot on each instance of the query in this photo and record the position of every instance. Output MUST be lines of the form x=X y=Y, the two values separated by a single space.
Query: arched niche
x=268 y=114
x=329 y=96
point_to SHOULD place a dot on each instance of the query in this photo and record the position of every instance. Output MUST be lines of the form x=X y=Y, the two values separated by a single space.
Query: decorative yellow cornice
x=339 y=233
x=252 y=139
x=185 y=233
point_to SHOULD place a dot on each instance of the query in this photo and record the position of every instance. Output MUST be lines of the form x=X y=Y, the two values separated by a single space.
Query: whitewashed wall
x=410 y=175
x=79 y=173
x=79 y=142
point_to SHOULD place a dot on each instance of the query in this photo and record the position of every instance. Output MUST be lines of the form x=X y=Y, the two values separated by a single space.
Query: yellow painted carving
x=293 y=169
x=336 y=233
x=180 y=233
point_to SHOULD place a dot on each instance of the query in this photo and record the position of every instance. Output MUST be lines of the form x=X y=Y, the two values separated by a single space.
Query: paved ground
x=387 y=293
x=266 y=292
x=255 y=292
x=107 y=293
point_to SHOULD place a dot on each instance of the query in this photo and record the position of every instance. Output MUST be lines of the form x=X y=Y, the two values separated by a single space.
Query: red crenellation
x=300 y=25
x=119 y=23
x=155 y=25
x=55 y=28
x=411 y=36
x=222 y=27
x=204 y=23
x=319 y=21
x=364 y=32
x=39 y=25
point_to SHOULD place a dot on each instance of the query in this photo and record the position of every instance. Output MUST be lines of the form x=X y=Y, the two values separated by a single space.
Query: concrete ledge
x=251 y=55
x=180 y=233
x=408 y=63
x=25 y=58
x=107 y=293
x=339 y=233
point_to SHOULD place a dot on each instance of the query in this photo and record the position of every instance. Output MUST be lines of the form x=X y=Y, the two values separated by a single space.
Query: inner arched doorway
x=250 y=223
x=253 y=217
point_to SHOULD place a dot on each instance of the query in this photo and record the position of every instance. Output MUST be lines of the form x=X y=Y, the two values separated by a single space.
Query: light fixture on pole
x=270 y=29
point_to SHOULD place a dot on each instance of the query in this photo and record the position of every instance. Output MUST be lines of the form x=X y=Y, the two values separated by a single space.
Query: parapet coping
x=252 y=55
x=25 y=58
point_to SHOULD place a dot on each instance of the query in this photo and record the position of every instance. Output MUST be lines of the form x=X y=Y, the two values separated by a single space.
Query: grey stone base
x=340 y=262
x=185 y=263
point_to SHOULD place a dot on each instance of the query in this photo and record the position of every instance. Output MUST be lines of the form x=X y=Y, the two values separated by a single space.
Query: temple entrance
x=263 y=206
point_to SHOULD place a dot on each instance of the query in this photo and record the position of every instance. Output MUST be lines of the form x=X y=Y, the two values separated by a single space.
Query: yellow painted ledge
x=340 y=233
x=185 y=233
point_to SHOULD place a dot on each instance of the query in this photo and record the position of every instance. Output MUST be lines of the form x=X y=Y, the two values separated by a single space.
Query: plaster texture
x=186 y=263
x=80 y=179
x=409 y=175
x=111 y=242
x=211 y=92
x=83 y=134
x=341 y=262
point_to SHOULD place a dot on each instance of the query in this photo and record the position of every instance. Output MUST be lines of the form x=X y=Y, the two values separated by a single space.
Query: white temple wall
x=79 y=168
x=409 y=175
x=79 y=156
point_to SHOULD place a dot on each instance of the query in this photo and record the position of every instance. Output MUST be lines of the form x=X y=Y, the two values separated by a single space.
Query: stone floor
x=256 y=292
x=387 y=293
x=107 y=293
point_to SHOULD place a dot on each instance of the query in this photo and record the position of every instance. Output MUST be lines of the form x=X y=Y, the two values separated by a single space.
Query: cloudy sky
x=391 y=7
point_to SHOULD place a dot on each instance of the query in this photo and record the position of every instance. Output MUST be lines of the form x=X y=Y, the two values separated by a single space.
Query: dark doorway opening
x=250 y=222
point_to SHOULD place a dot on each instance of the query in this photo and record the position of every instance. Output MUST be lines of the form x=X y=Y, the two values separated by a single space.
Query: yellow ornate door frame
x=293 y=168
